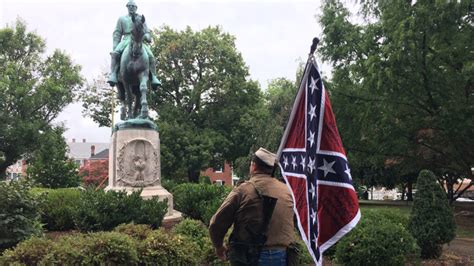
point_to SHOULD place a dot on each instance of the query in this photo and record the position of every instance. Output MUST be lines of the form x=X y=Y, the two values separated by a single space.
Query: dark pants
x=272 y=257
x=241 y=256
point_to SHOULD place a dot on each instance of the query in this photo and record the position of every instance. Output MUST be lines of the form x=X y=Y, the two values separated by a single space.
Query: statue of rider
x=121 y=38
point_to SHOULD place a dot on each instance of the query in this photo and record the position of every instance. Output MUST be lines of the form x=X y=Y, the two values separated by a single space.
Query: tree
x=402 y=85
x=206 y=101
x=98 y=100
x=269 y=120
x=431 y=220
x=34 y=88
x=49 y=165
x=94 y=173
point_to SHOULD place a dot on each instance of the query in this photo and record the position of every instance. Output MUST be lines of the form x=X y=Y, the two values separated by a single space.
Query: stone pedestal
x=134 y=164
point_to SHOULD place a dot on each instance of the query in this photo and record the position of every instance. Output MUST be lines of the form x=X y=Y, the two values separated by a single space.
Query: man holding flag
x=314 y=165
x=315 y=169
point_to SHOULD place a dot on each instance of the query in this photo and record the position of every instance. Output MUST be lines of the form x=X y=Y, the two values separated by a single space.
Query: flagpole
x=313 y=47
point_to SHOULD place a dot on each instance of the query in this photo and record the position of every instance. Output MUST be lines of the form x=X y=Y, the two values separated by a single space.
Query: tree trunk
x=409 y=191
x=450 y=188
x=404 y=189
x=193 y=176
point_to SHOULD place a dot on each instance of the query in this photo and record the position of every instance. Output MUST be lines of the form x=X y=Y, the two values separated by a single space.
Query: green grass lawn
x=464 y=225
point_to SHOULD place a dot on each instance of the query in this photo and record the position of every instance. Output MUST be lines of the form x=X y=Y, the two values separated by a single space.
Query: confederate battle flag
x=314 y=165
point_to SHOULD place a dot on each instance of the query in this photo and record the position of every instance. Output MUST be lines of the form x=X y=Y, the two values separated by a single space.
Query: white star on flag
x=315 y=239
x=311 y=165
x=293 y=162
x=303 y=162
x=327 y=167
x=312 y=190
x=285 y=161
x=348 y=172
x=312 y=112
x=313 y=215
x=311 y=139
x=313 y=84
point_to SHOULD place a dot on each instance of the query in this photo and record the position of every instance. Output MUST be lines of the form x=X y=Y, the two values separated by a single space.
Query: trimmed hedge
x=199 y=201
x=102 y=211
x=103 y=248
x=57 y=209
x=136 y=231
x=168 y=250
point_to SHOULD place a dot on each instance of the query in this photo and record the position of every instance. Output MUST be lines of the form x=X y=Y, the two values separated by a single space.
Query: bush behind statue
x=431 y=220
x=58 y=207
x=19 y=215
x=199 y=201
x=101 y=210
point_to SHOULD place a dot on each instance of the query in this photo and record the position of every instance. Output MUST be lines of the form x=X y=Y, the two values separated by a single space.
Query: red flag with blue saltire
x=314 y=165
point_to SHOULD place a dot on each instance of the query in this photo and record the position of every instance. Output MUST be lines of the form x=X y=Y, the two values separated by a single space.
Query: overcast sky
x=273 y=36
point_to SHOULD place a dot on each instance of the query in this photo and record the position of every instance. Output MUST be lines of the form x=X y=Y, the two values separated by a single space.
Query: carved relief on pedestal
x=138 y=164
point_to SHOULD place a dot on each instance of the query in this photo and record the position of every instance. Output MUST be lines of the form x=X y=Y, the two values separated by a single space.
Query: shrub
x=431 y=220
x=377 y=240
x=101 y=248
x=29 y=252
x=100 y=210
x=68 y=250
x=58 y=207
x=136 y=231
x=110 y=248
x=19 y=215
x=152 y=211
x=199 y=201
x=168 y=250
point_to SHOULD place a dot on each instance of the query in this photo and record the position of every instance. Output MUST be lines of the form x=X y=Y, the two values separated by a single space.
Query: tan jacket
x=243 y=208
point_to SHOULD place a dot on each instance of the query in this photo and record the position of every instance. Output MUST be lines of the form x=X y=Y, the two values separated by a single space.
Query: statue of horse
x=133 y=75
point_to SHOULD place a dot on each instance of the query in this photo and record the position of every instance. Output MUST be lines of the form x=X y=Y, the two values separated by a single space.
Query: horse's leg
x=121 y=97
x=136 y=109
x=129 y=101
x=143 y=90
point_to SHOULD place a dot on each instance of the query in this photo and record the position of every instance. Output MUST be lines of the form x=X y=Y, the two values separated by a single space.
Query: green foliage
x=205 y=180
x=199 y=201
x=431 y=221
x=103 y=248
x=168 y=250
x=58 y=207
x=136 y=231
x=110 y=248
x=49 y=166
x=98 y=100
x=170 y=184
x=100 y=210
x=205 y=102
x=34 y=88
x=389 y=87
x=29 y=252
x=19 y=216
x=379 y=239
x=193 y=229
x=197 y=232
